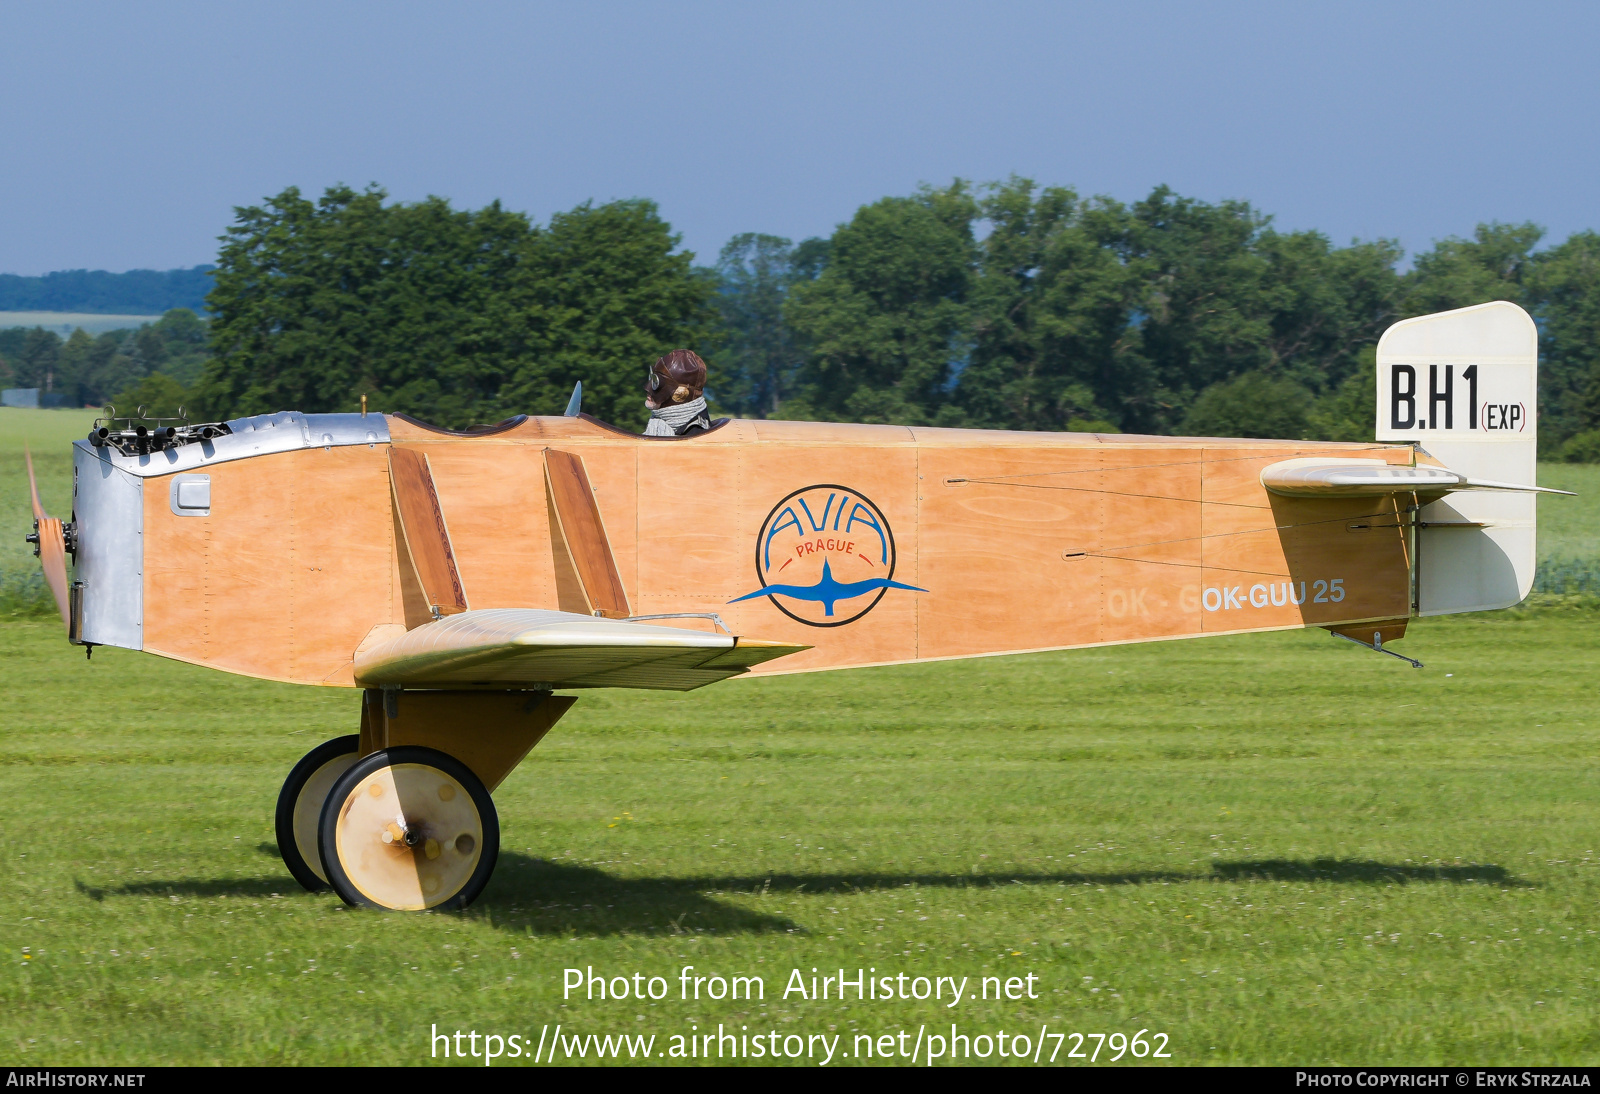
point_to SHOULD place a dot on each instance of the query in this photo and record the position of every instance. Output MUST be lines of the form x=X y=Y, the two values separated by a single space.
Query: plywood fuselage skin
x=1017 y=541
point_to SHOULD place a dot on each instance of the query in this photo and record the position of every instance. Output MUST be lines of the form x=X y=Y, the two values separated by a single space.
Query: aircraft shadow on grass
x=1363 y=871
x=537 y=896
x=542 y=897
x=253 y=888
x=527 y=895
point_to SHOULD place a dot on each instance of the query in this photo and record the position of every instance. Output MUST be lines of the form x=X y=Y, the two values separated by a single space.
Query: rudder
x=1464 y=386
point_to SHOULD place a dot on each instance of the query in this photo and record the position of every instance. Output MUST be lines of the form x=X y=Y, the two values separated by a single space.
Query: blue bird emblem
x=829 y=590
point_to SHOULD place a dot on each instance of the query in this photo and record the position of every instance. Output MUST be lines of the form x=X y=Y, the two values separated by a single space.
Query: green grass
x=1570 y=527
x=1274 y=848
x=1569 y=535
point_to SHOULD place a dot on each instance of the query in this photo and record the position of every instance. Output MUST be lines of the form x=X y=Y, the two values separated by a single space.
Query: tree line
x=159 y=364
x=136 y=292
x=1012 y=306
x=1004 y=306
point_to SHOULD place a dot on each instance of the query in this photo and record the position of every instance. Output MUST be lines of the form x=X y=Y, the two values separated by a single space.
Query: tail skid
x=1377 y=647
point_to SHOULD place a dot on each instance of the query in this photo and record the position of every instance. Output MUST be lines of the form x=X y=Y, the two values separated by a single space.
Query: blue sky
x=130 y=131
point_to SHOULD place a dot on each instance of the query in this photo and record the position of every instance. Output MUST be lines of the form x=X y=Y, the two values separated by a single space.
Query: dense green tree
x=602 y=293
x=809 y=258
x=108 y=370
x=35 y=356
x=885 y=324
x=454 y=316
x=1052 y=346
x=1457 y=273
x=11 y=343
x=89 y=371
x=76 y=364
x=1329 y=305
x=1581 y=447
x=1346 y=413
x=160 y=395
x=38 y=360
x=318 y=302
x=1563 y=288
x=1228 y=295
x=1203 y=318
x=176 y=345
x=758 y=353
x=1095 y=315
x=1252 y=404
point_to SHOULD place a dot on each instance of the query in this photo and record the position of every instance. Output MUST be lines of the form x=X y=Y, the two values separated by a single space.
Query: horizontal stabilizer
x=515 y=648
x=1360 y=478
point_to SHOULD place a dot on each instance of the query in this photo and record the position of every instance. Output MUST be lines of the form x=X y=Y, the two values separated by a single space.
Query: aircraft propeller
x=49 y=545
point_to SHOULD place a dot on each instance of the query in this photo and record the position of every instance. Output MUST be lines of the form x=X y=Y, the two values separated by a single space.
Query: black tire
x=354 y=819
x=295 y=857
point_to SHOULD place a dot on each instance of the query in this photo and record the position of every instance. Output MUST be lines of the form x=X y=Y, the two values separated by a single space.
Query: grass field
x=65 y=322
x=1272 y=848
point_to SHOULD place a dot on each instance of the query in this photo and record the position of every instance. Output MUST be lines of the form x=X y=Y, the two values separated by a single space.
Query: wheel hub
x=415 y=856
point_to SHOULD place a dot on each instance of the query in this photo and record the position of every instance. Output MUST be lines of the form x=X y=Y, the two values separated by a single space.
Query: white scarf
x=669 y=419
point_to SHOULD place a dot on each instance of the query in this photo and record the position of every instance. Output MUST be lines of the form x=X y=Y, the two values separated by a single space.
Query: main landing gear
x=300 y=807
x=400 y=816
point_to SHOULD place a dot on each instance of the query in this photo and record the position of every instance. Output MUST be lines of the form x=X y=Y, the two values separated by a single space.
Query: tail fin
x=1464 y=385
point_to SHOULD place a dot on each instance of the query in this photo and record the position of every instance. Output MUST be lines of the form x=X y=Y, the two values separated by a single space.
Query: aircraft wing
x=510 y=648
x=1361 y=478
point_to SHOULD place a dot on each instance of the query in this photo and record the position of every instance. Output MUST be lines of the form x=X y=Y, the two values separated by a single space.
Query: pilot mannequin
x=672 y=392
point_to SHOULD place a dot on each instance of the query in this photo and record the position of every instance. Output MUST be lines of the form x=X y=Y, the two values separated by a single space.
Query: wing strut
x=578 y=521
x=420 y=523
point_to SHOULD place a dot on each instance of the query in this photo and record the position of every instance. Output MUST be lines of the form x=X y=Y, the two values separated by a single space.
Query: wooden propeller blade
x=52 y=545
x=427 y=539
x=53 y=557
x=33 y=486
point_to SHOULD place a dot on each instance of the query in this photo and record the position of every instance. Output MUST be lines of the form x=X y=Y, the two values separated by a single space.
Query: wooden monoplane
x=461 y=578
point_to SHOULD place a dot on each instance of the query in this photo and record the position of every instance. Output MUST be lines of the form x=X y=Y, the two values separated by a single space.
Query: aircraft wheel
x=409 y=829
x=300 y=807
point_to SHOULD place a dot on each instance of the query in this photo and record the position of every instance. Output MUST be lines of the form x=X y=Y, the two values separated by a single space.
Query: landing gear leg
x=410 y=825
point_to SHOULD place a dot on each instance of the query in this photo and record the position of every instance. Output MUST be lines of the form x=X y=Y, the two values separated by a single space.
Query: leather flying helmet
x=676 y=378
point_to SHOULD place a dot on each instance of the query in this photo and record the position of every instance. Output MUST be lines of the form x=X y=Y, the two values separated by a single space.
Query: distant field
x=65 y=322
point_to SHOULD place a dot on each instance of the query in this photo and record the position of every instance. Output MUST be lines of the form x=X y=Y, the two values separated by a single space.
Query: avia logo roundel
x=825 y=556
